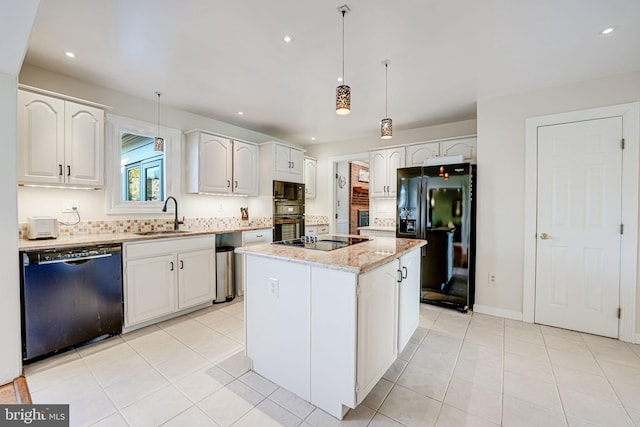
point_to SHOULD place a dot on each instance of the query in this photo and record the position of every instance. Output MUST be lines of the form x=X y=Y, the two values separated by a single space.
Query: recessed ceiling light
x=339 y=79
x=313 y=138
x=607 y=30
x=287 y=39
x=70 y=54
x=240 y=113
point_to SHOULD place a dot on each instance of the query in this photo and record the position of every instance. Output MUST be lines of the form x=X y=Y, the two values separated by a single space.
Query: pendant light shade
x=343 y=92
x=386 y=126
x=158 y=145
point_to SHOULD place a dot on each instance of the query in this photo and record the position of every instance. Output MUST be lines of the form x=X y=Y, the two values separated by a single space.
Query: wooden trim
x=21 y=390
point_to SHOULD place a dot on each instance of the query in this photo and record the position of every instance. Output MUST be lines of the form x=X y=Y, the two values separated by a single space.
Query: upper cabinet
x=418 y=153
x=286 y=163
x=220 y=165
x=383 y=171
x=310 y=177
x=59 y=142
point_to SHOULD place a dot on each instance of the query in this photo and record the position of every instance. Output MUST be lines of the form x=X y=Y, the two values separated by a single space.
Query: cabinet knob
x=236 y=184
x=228 y=183
x=404 y=276
x=181 y=265
x=60 y=170
x=68 y=170
x=399 y=276
x=171 y=265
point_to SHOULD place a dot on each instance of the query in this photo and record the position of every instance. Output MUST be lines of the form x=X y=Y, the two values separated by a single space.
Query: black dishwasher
x=69 y=297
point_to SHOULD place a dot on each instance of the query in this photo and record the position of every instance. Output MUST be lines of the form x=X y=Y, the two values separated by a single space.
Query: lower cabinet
x=316 y=230
x=167 y=276
x=408 y=297
x=377 y=326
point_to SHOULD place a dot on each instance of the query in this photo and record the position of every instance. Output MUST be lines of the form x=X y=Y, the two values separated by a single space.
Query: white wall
x=501 y=150
x=45 y=201
x=321 y=205
x=16 y=22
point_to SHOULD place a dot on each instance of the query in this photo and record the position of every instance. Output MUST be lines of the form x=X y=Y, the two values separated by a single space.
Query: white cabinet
x=249 y=238
x=310 y=174
x=418 y=153
x=281 y=163
x=59 y=142
x=316 y=230
x=220 y=165
x=408 y=297
x=167 y=276
x=383 y=171
x=377 y=325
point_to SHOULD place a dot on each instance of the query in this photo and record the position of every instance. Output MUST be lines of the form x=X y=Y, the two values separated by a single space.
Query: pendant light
x=159 y=141
x=386 y=127
x=343 y=92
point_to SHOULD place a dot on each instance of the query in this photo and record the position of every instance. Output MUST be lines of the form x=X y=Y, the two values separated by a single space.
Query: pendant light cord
x=386 y=93
x=158 y=93
x=343 y=13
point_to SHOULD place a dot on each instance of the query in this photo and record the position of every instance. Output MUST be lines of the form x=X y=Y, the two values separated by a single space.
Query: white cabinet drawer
x=256 y=237
x=323 y=229
x=168 y=246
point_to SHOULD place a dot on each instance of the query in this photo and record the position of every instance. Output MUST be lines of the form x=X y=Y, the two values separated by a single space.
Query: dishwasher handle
x=73 y=260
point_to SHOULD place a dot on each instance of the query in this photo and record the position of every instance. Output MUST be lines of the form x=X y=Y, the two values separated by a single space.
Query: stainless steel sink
x=161 y=233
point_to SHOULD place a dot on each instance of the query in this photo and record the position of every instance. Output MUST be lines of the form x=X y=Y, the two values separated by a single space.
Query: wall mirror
x=138 y=178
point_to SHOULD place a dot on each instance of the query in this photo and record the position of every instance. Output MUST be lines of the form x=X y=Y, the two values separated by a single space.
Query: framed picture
x=363 y=175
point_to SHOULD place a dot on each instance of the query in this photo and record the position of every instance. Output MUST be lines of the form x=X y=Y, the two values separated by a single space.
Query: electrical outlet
x=220 y=207
x=70 y=206
x=274 y=286
x=492 y=278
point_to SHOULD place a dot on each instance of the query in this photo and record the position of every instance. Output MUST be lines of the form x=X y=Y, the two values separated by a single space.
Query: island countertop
x=358 y=258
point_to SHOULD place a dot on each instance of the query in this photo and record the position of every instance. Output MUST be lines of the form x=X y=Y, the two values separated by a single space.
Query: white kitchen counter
x=327 y=325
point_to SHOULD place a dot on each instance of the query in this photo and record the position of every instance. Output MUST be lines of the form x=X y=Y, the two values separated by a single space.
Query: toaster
x=42 y=227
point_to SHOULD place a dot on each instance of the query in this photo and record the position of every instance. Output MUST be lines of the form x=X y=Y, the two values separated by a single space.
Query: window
x=138 y=178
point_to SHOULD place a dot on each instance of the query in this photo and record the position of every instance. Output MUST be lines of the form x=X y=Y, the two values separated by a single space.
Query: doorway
x=581 y=188
x=342 y=212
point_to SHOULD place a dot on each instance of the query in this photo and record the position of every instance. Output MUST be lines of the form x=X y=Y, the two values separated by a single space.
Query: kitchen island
x=326 y=325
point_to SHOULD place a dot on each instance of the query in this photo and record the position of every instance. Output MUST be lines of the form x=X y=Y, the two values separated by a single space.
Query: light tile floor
x=457 y=370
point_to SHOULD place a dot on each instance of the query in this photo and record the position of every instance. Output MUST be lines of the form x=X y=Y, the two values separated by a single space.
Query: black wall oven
x=288 y=210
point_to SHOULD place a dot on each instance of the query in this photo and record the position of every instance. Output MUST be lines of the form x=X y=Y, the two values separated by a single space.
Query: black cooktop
x=324 y=243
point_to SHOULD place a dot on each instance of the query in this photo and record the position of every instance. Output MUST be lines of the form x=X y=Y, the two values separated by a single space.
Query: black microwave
x=289 y=192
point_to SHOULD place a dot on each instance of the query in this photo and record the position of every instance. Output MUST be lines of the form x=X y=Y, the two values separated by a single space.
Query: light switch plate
x=69 y=205
x=274 y=285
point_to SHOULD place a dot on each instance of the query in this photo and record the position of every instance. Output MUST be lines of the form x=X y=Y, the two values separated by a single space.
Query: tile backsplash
x=384 y=222
x=141 y=225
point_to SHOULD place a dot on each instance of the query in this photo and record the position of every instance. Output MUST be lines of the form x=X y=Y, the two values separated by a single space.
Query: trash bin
x=225 y=275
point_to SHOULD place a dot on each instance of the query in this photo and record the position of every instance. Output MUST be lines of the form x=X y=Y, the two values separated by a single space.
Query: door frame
x=630 y=114
x=332 y=166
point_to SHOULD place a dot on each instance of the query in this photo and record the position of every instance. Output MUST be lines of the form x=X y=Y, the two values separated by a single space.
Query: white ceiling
x=216 y=58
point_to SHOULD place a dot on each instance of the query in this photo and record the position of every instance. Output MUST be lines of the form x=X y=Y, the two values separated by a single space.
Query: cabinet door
x=150 y=288
x=310 y=168
x=282 y=158
x=378 y=173
x=40 y=139
x=84 y=145
x=417 y=154
x=377 y=325
x=245 y=168
x=297 y=162
x=409 y=297
x=215 y=164
x=395 y=160
x=466 y=147
x=196 y=278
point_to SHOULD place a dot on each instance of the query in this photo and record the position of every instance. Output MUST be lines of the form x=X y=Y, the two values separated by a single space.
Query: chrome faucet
x=176 y=223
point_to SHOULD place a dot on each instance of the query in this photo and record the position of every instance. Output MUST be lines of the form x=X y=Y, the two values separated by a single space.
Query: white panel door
x=84 y=145
x=342 y=197
x=150 y=288
x=378 y=173
x=395 y=158
x=409 y=297
x=297 y=162
x=310 y=167
x=417 y=154
x=282 y=159
x=40 y=138
x=579 y=215
x=467 y=147
x=215 y=164
x=245 y=168
x=196 y=277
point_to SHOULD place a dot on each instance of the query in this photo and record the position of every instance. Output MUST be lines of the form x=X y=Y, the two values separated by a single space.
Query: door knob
x=544 y=236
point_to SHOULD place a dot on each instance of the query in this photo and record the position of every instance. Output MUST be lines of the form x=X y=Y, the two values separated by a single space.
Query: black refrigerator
x=437 y=203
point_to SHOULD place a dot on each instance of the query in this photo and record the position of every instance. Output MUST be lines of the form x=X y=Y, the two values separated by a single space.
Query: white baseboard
x=636 y=339
x=499 y=312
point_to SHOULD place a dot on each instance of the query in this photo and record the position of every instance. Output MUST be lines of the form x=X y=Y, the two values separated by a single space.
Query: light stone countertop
x=105 y=238
x=358 y=258
x=374 y=228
